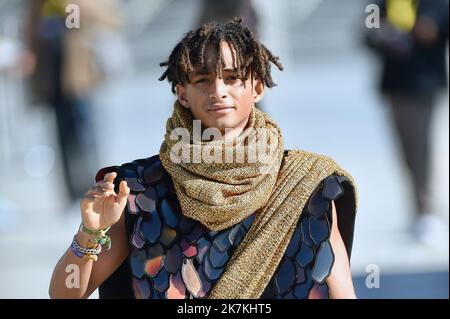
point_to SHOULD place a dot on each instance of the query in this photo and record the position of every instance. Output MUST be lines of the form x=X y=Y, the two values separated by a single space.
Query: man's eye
x=201 y=80
x=231 y=78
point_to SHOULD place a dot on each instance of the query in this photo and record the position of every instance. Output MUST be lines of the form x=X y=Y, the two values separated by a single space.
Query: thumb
x=124 y=191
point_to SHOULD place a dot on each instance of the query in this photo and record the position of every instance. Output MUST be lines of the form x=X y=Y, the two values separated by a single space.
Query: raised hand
x=101 y=207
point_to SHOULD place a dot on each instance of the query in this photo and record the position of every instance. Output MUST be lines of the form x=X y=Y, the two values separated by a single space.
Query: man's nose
x=218 y=90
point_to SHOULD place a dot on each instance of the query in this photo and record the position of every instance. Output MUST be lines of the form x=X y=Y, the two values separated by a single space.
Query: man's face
x=220 y=103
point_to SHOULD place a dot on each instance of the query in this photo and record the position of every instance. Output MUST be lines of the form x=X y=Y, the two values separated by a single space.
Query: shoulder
x=302 y=156
x=139 y=173
x=309 y=257
x=333 y=203
x=320 y=164
x=149 y=183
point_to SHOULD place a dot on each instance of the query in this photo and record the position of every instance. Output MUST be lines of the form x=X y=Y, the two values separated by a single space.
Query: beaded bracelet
x=101 y=237
x=90 y=252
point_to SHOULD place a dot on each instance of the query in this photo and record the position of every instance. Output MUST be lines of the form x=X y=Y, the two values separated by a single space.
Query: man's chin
x=223 y=126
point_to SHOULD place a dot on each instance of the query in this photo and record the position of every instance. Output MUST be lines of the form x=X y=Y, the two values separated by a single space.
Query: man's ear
x=181 y=94
x=258 y=90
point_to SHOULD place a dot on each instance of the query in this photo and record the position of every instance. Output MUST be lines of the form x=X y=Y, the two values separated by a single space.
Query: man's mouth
x=220 y=108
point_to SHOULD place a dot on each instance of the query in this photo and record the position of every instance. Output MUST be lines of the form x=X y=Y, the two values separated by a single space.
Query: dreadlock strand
x=238 y=43
x=233 y=52
x=219 y=56
x=208 y=34
x=273 y=59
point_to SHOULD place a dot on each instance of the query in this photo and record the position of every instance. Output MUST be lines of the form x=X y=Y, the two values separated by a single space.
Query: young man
x=208 y=218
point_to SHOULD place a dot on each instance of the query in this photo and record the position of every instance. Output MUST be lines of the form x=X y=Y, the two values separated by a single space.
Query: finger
x=124 y=191
x=90 y=197
x=100 y=192
x=109 y=178
x=105 y=185
x=88 y=200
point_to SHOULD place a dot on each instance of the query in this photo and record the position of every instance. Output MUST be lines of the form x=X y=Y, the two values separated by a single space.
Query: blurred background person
x=64 y=67
x=222 y=11
x=9 y=50
x=412 y=45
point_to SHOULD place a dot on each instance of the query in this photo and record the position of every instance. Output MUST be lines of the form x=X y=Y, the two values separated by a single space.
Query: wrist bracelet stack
x=100 y=235
x=98 y=238
x=83 y=252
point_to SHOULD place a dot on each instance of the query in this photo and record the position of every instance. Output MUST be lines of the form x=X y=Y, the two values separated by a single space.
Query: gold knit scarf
x=221 y=194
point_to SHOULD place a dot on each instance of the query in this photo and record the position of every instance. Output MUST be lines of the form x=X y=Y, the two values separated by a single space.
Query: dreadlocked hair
x=250 y=58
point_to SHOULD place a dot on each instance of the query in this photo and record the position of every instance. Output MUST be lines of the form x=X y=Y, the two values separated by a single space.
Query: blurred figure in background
x=64 y=65
x=411 y=43
x=221 y=11
x=9 y=49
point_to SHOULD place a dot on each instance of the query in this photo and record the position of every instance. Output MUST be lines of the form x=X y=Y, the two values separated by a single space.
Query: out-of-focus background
x=75 y=100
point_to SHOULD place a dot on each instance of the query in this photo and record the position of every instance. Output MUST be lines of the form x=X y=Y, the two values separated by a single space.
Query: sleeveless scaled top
x=172 y=256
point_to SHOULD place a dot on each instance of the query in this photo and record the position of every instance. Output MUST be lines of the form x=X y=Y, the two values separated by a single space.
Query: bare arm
x=75 y=277
x=340 y=281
